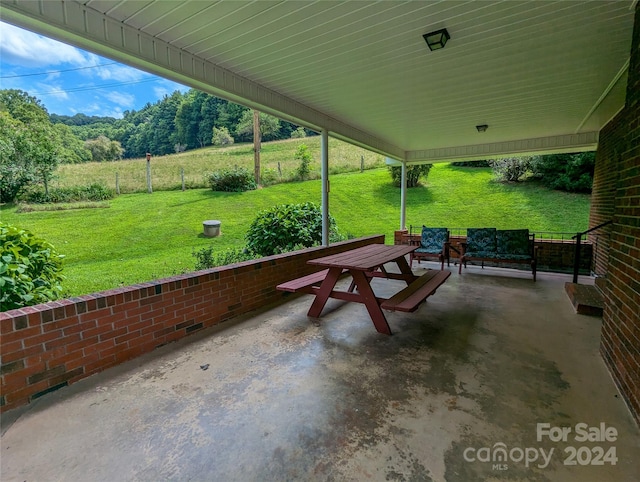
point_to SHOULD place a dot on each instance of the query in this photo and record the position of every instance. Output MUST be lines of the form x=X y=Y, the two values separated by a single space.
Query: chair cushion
x=513 y=242
x=481 y=240
x=432 y=240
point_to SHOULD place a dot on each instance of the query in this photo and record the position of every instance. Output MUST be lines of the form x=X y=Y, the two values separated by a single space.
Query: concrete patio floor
x=480 y=367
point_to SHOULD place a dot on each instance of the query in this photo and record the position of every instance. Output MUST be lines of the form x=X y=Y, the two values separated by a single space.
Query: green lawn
x=142 y=236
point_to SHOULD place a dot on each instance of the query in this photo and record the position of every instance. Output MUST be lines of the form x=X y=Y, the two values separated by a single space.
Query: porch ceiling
x=545 y=76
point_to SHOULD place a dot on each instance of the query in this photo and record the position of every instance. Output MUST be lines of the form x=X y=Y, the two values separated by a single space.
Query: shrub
x=205 y=258
x=414 y=173
x=287 y=226
x=304 y=156
x=566 y=172
x=299 y=133
x=237 y=179
x=221 y=137
x=29 y=269
x=93 y=192
x=104 y=149
x=511 y=169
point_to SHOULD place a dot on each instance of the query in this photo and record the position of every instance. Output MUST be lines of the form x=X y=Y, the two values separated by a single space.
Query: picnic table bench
x=304 y=284
x=411 y=297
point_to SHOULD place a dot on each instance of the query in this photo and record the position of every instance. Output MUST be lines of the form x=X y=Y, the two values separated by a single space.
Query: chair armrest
x=408 y=239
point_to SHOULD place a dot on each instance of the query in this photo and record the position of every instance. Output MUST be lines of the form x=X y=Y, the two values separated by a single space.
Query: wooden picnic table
x=364 y=264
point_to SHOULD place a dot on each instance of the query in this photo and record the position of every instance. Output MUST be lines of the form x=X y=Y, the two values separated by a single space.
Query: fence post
x=182 y=176
x=117 y=183
x=149 y=188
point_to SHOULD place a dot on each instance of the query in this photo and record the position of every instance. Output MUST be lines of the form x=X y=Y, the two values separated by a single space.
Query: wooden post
x=182 y=176
x=117 y=183
x=256 y=145
x=149 y=188
x=361 y=163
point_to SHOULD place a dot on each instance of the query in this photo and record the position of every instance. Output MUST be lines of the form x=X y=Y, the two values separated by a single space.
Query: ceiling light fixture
x=482 y=128
x=437 y=40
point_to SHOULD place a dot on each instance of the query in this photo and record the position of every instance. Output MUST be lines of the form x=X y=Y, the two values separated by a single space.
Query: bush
x=93 y=192
x=304 y=156
x=566 y=172
x=414 y=173
x=29 y=269
x=205 y=258
x=237 y=179
x=104 y=149
x=221 y=137
x=299 y=133
x=511 y=169
x=285 y=227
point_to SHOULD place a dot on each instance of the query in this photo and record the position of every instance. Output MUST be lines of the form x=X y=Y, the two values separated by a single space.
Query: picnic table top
x=364 y=258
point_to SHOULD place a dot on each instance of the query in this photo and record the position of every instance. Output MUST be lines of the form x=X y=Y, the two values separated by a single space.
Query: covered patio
x=278 y=396
x=490 y=371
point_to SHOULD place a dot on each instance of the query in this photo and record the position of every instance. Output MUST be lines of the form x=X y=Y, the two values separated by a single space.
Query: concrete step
x=586 y=299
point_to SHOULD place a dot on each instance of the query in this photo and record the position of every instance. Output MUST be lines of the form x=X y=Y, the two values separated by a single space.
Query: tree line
x=178 y=122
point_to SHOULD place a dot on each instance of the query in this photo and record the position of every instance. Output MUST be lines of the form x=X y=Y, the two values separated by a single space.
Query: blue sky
x=68 y=80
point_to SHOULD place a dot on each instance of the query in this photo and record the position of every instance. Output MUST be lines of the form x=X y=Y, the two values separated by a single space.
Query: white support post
x=403 y=197
x=324 y=156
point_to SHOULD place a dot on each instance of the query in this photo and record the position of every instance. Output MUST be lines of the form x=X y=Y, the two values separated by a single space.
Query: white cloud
x=27 y=49
x=117 y=72
x=168 y=87
x=161 y=91
x=90 y=108
x=122 y=99
x=53 y=90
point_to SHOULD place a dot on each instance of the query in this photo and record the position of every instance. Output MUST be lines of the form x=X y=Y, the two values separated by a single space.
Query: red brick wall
x=49 y=346
x=617 y=196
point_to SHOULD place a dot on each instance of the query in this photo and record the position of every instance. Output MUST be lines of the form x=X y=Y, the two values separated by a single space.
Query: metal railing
x=578 y=238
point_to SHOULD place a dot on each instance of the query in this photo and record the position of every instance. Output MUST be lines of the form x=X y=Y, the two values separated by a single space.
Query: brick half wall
x=49 y=346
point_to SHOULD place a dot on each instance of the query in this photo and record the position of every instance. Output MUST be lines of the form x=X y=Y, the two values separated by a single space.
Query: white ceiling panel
x=537 y=72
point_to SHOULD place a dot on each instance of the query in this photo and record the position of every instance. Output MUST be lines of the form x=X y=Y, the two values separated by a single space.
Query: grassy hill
x=140 y=236
x=277 y=160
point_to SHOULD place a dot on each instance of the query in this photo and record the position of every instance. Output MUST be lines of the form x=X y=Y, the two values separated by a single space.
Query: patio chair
x=434 y=244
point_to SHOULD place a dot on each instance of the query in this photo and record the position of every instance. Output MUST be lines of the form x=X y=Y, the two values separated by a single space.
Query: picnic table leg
x=405 y=269
x=324 y=292
x=371 y=302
